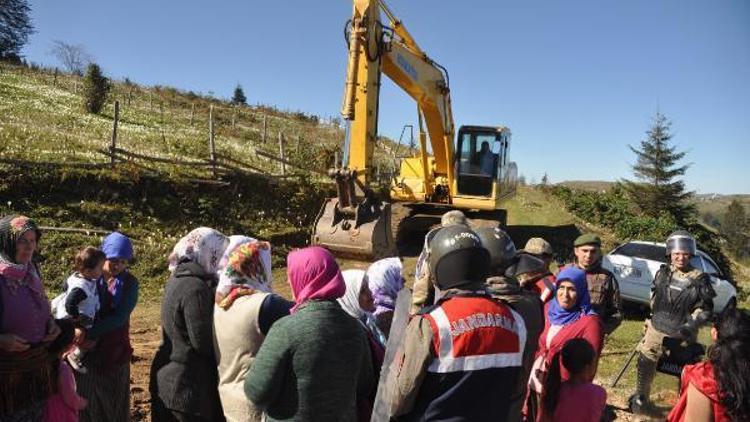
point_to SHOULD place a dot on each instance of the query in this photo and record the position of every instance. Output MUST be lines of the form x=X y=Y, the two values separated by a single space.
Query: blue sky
x=576 y=81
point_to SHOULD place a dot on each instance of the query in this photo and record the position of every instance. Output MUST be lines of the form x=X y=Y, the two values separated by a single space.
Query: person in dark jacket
x=506 y=289
x=184 y=378
x=314 y=364
x=462 y=357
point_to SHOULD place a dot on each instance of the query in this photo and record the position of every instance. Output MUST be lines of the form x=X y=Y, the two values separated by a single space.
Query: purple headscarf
x=559 y=315
x=385 y=281
x=314 y=274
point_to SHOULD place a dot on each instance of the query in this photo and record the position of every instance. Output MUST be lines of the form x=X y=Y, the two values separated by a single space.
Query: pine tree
x=656 y=169
x=15 y=27
x=734 y=226
x=239 y=96
x=95 y=89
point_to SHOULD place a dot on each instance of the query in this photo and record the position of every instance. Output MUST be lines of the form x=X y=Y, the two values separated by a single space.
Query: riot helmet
x=499 y=245
x=457 y=257
x=681 y=241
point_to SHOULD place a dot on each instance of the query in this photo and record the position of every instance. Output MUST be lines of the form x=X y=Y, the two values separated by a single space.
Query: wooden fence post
x=211 y=144
x=234 y=115
x=281 y=153
x=299 y=142
x=265 y=127
x=192 y=113
x=114 y=135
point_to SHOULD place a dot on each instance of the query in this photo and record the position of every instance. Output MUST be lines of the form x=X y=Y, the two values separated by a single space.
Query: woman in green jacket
x=315 y=364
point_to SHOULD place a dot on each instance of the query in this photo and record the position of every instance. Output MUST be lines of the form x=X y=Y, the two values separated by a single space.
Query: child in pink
x=63 y=406
x=577 y=399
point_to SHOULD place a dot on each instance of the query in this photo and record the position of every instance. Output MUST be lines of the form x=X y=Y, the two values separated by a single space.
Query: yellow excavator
x=474 y=176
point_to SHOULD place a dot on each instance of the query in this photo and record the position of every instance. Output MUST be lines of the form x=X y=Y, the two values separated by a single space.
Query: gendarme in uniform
x=681 y=301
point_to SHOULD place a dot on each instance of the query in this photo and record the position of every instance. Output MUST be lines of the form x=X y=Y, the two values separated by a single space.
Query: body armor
x=676 y=295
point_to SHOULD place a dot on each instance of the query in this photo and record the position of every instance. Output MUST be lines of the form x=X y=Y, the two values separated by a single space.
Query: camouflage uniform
x=605 y=296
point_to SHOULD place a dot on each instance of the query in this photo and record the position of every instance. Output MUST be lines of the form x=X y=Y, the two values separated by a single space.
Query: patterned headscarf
x=247 y=263
x=385 y=281
x=203 y=246
x=12 y=227
x=561 y=316
x=314 y=274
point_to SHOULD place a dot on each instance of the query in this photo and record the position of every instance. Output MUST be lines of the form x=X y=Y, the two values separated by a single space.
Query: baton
x=624 y=367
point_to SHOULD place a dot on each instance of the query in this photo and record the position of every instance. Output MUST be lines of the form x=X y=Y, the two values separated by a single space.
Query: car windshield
x=643 y=251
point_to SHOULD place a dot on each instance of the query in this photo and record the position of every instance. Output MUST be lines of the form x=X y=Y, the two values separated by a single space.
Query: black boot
x=640 y=403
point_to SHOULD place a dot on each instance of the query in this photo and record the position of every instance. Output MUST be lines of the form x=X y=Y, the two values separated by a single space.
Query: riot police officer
x=462 y=356
x=681 y=301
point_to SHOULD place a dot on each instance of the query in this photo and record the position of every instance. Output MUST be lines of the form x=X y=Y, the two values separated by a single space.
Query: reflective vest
x=478 y=346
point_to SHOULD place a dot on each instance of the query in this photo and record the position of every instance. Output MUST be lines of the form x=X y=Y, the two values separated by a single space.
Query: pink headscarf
x=314 y=274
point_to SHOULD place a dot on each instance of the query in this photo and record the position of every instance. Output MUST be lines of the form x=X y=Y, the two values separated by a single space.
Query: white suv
x=635 y=264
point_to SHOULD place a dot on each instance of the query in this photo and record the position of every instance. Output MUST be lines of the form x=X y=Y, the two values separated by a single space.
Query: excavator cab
x=481 y=160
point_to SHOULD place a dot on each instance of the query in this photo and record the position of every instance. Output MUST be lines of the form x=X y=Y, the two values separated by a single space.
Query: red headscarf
x=314 y=274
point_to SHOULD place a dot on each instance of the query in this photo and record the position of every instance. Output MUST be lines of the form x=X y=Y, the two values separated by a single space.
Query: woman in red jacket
x=719 y=389
x=569 y=315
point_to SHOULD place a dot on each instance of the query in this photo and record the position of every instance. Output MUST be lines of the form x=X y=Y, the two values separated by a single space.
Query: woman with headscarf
x=358 y=303
x=385 y=281
x=26 y=324
x=106 y=384
x=183 y=373
x=569 y=315
x=244 y=315
x=315 y=364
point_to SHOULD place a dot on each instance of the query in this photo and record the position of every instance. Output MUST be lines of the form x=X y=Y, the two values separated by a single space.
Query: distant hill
x=593 y=185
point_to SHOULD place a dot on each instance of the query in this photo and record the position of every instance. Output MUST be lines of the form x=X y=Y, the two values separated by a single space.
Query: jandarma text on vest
x=479 y=320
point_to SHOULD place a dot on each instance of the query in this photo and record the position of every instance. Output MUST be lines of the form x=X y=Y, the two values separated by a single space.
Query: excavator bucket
x=362 y=232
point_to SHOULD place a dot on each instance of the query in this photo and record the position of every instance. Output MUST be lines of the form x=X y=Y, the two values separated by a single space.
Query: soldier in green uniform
x=603 y=286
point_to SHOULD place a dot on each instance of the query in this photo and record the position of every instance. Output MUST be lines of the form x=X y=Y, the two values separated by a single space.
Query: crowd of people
x=493 y=334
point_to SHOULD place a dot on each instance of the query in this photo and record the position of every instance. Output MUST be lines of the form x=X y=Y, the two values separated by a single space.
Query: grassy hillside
x=42 y=119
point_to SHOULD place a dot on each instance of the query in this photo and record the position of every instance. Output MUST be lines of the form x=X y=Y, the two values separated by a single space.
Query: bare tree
x=73 y=57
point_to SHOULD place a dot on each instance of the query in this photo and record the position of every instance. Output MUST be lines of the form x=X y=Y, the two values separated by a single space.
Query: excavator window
x=478 y=161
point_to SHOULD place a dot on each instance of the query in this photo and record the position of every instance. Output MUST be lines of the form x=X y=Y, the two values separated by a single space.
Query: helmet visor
x=681 y=244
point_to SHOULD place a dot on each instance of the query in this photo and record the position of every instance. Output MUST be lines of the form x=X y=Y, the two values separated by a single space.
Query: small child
x=577 y=399
x=80 y=302
x=63 y=406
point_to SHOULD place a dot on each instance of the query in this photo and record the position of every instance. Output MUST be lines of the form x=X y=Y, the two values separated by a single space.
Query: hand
x=80 y=335
x=53 y=330
x=13 y=343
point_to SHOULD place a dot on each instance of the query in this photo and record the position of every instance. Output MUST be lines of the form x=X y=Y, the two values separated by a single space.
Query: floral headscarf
x=314 y=274
x=561 y=316
x=12 y=227
x=246 y=262
x=203 y=246
x=385 y=281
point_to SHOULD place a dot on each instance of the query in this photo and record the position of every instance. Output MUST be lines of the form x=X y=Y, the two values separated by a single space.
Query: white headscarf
x=350 y=301
x=203 y=246
x=228 y=278
x=354 y=279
